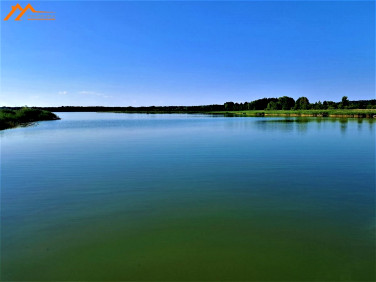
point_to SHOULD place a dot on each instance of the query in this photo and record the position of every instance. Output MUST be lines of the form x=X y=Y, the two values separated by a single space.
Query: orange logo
x=23 y=11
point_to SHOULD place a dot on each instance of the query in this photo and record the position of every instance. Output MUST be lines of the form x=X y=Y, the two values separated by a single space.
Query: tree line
x=302 y=103
x=281 y=103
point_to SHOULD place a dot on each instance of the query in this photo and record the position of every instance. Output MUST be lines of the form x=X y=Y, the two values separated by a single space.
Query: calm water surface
x=102 y=196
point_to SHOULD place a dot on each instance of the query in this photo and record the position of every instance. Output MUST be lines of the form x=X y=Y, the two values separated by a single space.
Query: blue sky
x=187 y=53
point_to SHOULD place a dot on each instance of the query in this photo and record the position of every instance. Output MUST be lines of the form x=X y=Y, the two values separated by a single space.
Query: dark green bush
x=11 y=118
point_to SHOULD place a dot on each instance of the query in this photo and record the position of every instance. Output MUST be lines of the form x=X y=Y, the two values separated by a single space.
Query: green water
x=102 y=196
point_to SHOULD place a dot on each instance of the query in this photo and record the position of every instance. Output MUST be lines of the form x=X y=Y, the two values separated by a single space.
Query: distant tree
x=318 y=106
x=345 y=101
x=302 y=104
x=329 y=105
x=229 y=106
x=325 y=105
x=287 y=103
x=273 y=106
x=260 y=104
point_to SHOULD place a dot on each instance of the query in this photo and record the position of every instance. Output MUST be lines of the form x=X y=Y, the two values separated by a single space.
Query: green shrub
x=11 y=118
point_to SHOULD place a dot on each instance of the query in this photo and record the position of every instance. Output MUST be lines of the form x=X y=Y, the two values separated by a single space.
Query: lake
x=107 y=196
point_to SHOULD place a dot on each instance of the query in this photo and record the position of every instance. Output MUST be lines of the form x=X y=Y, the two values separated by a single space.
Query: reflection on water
x=104 y=196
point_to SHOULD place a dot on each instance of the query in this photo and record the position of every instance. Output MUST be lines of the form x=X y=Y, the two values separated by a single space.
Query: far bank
x=345 y=113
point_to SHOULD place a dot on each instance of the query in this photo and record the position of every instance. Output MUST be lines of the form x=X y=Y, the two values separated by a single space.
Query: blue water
x=109 y=196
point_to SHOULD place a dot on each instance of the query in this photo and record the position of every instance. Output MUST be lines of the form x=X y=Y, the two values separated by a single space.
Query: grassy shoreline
x=24 y=116
x=344 y=113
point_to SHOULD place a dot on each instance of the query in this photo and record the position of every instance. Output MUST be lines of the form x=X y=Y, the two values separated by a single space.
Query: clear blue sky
x=187 y=53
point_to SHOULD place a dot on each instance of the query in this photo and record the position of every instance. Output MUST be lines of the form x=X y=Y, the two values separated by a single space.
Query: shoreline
x=23 y=117
x=368 y=114
x=356 y=113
